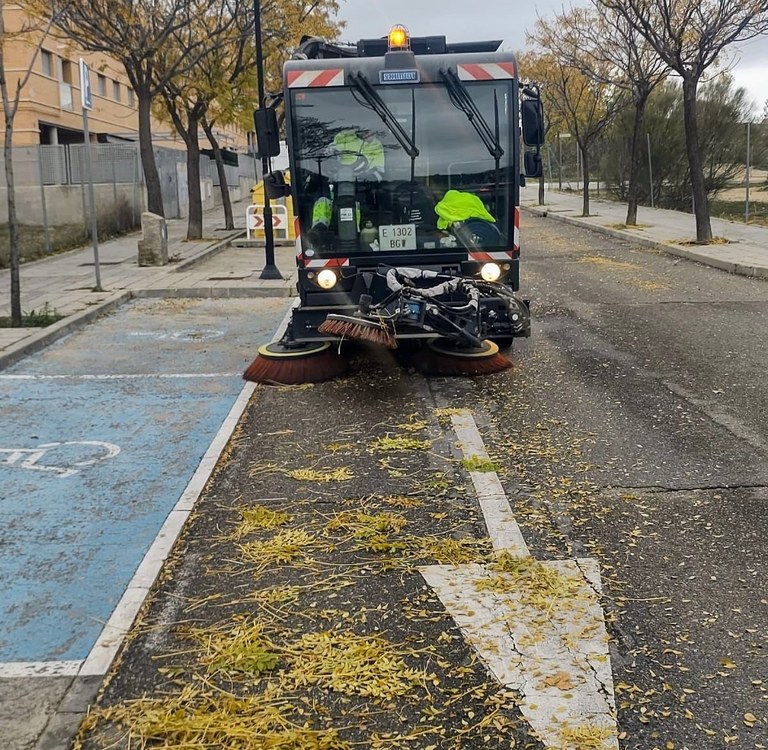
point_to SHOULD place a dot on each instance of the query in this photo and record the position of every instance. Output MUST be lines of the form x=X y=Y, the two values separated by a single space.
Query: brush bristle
x=314 y=368
x=362 y=331
x=441 y=364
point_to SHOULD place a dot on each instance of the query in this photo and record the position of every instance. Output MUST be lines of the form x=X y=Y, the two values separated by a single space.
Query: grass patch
x=734 y=211
x=41 y=318
x=372 y=532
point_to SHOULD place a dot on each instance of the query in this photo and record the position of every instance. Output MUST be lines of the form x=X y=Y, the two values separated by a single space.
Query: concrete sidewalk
x=211 y=267
x=745 y=253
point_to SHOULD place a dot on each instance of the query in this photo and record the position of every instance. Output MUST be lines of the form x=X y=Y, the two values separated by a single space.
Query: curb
x=208 y=252
x=71 y=323
x=760 y=272
x=216 y=292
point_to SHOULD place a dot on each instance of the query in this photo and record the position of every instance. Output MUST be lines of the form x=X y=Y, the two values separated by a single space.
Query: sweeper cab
x=406 y=159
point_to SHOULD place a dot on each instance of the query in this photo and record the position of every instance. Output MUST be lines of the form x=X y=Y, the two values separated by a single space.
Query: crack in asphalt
x=659 y=488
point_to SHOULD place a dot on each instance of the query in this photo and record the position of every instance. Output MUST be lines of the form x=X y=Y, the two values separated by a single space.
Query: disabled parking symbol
x=62 y=459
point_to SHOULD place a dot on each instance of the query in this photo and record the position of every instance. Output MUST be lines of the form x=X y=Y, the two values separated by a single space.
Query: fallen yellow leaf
x=561 y=680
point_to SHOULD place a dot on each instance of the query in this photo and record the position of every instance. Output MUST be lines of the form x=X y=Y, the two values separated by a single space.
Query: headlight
x=490 y=272
x=327 y=279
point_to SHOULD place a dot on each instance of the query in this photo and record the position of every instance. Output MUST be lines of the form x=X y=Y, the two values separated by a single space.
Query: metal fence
x=112 y=163
x=51 y=190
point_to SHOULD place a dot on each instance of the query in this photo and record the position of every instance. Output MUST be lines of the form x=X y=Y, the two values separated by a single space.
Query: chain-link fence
x=51 y=184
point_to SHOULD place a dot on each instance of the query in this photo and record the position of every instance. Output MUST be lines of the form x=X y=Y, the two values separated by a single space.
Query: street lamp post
x=270 y=269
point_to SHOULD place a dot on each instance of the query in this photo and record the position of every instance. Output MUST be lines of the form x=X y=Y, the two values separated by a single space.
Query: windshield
x=414 y=174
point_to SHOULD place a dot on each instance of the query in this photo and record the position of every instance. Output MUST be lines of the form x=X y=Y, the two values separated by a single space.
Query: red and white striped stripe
x=516 y=237
x=302 y=79
x=484 y=256
x=486 y=71
x=325 y=262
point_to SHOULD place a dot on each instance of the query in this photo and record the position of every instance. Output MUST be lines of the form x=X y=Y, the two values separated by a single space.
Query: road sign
x=257 y=221
x=86 y=94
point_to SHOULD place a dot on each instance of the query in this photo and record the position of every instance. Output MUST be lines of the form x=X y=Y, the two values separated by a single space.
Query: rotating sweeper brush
x=361 y=329
x=293 y=364
x=439 y=357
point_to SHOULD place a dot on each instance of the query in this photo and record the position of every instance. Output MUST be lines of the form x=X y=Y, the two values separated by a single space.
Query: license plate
x=397 y=237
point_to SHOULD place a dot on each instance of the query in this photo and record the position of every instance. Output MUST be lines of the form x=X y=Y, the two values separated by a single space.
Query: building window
x=47 y=61
x=131 y=97
x=66 y=71
x=102 y=83
x=116 y=90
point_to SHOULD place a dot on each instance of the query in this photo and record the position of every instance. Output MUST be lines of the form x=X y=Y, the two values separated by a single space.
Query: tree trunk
x=195 y=222
x=541 y=188
x=14 y=259
x=229 y=222
x=585 y=175
x=698 y=188
x=634 y=163
x=151 y=175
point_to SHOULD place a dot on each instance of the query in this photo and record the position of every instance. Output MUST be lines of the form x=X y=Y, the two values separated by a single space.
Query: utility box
x=153 y=247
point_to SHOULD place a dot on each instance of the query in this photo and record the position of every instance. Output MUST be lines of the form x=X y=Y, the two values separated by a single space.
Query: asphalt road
x=631 y=429
x=634 y=431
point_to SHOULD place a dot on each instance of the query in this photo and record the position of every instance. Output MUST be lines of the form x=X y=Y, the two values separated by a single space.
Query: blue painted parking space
x=99 y=436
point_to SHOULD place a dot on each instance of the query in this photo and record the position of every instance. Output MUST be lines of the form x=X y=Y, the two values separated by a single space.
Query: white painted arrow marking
x=557 y=659
x=552 y=651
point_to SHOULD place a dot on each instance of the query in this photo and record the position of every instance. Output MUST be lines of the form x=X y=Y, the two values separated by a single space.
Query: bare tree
x=587 y=103
x=690 y=37
x=156 y=41
x=32 y=33
x=603 y=45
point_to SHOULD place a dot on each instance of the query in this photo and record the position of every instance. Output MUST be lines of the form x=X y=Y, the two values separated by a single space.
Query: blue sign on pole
x=86 y=95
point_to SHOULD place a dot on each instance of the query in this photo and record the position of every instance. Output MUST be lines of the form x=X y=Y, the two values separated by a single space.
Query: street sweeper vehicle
x=406 y=159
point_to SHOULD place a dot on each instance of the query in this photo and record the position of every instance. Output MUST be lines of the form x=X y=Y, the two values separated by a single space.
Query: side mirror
x=532 y=164
x=533 y=122
x=276 y=186
x=267 y=131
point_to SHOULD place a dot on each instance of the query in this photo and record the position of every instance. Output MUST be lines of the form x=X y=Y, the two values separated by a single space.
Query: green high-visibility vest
x=351 y=147
x=322 y=212
x=458 y=206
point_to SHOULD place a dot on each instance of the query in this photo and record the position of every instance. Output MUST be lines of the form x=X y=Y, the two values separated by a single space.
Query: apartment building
x=50 y=111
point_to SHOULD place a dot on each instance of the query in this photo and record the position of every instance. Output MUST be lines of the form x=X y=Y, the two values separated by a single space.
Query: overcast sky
x=460 y=20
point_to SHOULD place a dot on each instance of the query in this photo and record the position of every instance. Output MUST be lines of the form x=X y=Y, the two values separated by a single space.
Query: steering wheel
x=477 y=233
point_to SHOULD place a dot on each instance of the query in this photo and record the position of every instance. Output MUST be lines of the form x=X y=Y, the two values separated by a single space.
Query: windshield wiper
x=461 y=99
x=377 y=104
